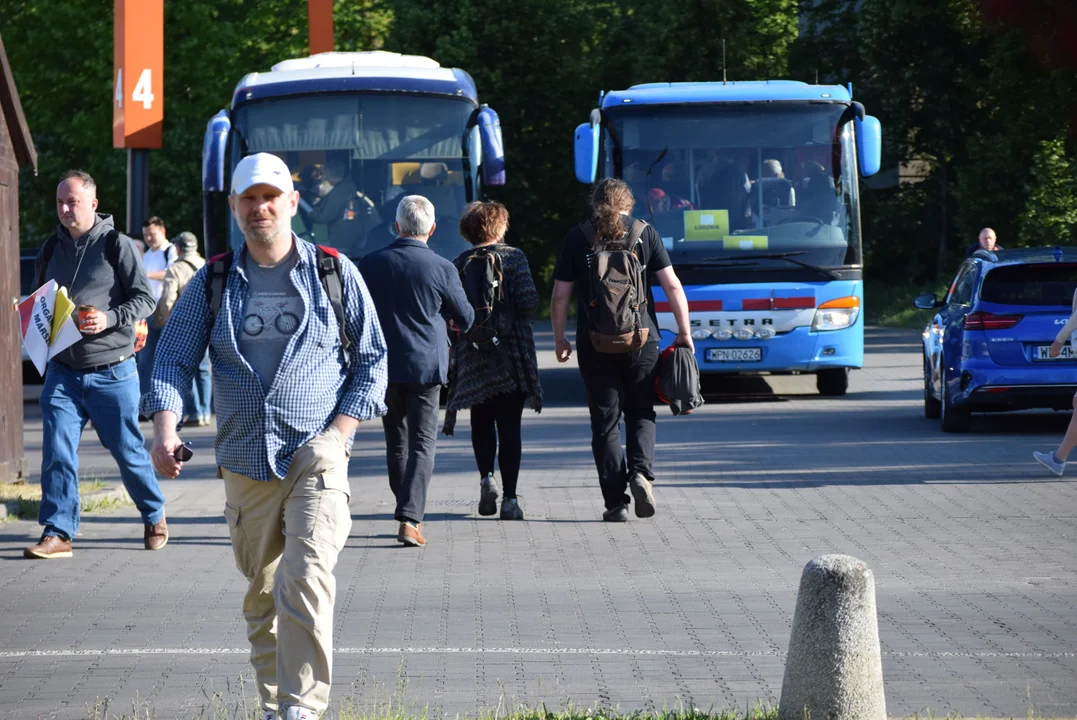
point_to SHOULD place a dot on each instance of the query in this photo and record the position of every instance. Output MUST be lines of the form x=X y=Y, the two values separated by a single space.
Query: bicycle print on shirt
x=272 y=316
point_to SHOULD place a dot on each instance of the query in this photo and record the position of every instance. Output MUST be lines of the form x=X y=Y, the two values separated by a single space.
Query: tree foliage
x=978 y=93
x=981 y=93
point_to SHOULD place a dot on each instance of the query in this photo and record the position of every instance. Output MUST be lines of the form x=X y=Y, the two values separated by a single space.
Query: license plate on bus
x=1043 y=352
x=734 y=355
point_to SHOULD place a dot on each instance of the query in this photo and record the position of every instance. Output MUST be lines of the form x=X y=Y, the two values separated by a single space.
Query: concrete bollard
x=834 y=668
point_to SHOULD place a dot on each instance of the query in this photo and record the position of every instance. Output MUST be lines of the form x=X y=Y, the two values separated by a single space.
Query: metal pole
x=138 y=189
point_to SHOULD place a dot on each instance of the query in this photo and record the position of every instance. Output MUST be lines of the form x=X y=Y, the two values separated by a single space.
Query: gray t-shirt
x=272 y=315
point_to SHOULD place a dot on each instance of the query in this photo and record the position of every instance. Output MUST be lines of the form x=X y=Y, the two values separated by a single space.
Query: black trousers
x=411 y=431
x=616 y=385
x=495 y=434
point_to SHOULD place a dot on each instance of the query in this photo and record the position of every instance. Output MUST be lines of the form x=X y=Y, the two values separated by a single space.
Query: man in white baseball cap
x=289 y=394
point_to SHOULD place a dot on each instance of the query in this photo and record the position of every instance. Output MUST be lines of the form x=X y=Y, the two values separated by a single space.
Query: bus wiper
x=787 y=256
x=704 y=264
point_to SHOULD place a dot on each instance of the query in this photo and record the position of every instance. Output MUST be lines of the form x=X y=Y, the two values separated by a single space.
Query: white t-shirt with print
x=156 y=261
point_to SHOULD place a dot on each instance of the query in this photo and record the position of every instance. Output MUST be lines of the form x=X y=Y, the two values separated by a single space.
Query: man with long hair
x=622 y=382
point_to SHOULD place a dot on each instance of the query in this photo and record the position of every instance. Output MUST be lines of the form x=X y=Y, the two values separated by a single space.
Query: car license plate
x=1043 y=352
x=734 y=354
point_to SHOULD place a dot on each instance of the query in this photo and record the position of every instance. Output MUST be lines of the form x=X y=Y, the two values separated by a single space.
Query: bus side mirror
x=213 y=152
x=586 y=148
x=869 y=145
x=493 y=147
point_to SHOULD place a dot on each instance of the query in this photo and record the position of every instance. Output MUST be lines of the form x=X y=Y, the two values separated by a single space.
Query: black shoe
x=617 y=514
x=488 y=496
x=642 y=494
x=510 y=509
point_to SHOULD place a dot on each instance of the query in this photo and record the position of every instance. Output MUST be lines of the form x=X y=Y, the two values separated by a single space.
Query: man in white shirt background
x=158 y=257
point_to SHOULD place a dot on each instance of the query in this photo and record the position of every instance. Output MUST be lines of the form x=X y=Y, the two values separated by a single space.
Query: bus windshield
x=354 y=156
x=726 y=182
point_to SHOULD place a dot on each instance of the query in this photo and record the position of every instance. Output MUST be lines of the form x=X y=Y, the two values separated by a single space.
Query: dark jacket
x=414 y=291
x=122 y=292
x=337 y=211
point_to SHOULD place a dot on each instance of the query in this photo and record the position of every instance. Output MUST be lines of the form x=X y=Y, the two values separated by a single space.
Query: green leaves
x=540 y=63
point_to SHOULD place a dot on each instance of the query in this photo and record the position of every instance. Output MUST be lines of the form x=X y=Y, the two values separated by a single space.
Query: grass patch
x=27 y=497
x=32 y=492
x=891 y=305
x=379 y=704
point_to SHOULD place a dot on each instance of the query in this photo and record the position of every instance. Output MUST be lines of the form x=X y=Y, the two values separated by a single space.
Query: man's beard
x=263 y=235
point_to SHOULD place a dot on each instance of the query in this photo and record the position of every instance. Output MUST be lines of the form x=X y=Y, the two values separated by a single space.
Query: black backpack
x=618 y=294
x=329 y=273
x=483 y=278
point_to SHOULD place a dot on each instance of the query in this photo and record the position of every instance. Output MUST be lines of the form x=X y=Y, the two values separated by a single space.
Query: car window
x=26 y=274
x=961 y=290
x=1045 y=284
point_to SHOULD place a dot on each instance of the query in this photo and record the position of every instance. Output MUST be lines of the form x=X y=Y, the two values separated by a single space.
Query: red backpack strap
x=329 y=273
x=216 y=281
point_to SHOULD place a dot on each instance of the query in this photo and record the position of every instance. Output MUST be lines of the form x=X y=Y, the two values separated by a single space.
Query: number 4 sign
x=138 y=66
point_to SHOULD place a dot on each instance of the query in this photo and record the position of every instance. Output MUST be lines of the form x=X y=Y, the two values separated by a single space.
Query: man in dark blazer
x=415 y=291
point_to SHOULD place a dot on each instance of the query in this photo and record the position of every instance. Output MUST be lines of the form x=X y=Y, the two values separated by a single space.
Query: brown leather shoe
x=410 y=535
x=156 y=536
x=49 y=548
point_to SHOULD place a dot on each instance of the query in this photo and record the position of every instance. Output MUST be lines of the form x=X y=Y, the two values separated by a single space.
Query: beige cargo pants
x=286 y=535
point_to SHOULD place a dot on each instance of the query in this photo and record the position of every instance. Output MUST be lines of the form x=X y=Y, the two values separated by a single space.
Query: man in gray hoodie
x=95 y=379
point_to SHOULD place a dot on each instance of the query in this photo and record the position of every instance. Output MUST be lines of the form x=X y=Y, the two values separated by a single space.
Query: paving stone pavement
x=971 y=545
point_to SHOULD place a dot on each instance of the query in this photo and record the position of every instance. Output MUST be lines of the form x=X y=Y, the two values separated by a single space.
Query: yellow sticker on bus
x=744 y=242
x=705 y=225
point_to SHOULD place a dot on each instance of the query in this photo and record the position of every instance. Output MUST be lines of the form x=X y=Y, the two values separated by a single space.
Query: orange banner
x=138 y=98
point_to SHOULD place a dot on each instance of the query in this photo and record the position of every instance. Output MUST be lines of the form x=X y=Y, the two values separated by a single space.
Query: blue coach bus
x=359 y=130
x=753 y=188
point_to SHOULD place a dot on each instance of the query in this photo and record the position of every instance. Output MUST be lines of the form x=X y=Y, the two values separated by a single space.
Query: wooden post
x=320 y=20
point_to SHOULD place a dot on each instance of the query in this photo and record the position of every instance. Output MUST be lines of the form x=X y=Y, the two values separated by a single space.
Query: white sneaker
x=1047 y=459
x=299 y=713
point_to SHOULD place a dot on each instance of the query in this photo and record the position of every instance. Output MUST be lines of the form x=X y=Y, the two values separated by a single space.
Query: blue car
x=986 y=348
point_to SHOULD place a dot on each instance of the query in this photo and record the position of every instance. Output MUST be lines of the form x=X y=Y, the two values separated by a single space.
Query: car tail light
x=990 y=321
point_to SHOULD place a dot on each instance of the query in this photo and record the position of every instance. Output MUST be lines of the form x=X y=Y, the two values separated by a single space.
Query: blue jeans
x=145 y=358
x=108 y=398
x=199 y=403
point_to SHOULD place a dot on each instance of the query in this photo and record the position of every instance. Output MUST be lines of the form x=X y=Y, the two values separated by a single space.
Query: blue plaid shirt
x=259 y=429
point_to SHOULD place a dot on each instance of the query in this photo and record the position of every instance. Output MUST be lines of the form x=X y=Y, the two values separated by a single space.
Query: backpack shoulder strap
x=216 y=281
x=112 y=247
x=329 y=274
x=635 y=232
x=588 y=232
x=46 y=255
x=189 y=264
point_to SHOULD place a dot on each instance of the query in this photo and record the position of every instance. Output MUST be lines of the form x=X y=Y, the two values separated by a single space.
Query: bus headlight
x=765 y=333
x=722 y=334
x=743 y=334
x=837 y=314
x=700 y=334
